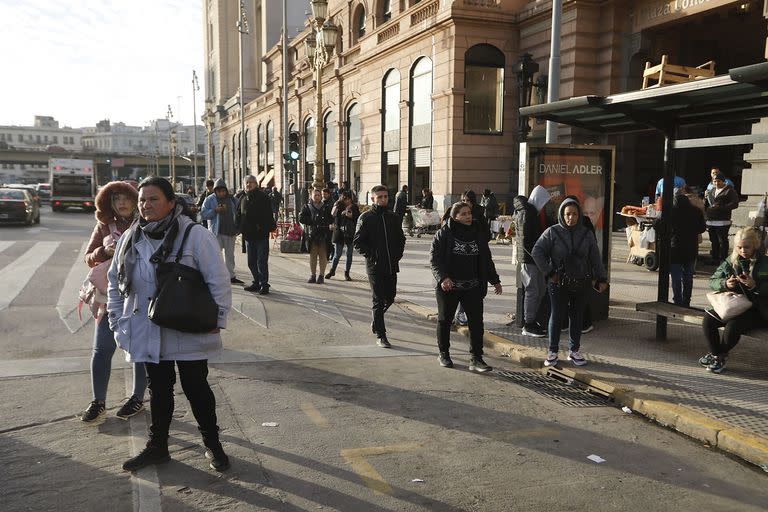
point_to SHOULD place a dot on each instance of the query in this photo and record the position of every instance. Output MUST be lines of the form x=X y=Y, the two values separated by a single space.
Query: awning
x=740 y=95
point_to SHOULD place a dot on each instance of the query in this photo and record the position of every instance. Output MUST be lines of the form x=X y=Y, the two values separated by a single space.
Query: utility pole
x=169 y=116
x=195 y=88
x=553 y=91
x=286 y=167
x=242 y=29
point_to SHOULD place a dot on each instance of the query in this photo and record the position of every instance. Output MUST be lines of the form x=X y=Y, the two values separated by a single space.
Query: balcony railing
x=389 y=32
x=425 y=13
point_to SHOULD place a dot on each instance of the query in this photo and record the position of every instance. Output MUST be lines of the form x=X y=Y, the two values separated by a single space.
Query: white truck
x=73 y=183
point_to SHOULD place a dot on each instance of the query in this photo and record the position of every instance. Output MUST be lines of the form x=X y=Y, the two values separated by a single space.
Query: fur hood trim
x=104 y=212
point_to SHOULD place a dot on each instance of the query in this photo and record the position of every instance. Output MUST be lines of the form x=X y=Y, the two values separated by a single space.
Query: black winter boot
x=152 y=454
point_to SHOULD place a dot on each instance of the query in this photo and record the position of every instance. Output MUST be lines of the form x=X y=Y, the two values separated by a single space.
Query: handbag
x=729 y=305
x=182 y=300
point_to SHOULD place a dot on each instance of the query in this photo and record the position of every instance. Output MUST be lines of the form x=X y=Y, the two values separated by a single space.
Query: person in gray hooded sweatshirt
x=568 y=256
x=528 y=229
x=219 y=210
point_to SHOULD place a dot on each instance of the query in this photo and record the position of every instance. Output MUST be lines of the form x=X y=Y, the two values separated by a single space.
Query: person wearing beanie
x=719 y=202
x=567 y=254
x=713 y=173
x=116 y=209
x=219 y=209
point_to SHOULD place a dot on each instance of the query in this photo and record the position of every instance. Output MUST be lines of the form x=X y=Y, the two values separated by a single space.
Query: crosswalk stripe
x=68 y=299
x=5 y=245
x=14 y=277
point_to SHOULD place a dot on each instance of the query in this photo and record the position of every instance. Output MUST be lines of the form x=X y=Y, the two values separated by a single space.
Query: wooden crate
x=666 y=73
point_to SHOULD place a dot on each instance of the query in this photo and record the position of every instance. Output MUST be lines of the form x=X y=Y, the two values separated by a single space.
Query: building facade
x=45 y=133
x=154 y=139
x=424 y=92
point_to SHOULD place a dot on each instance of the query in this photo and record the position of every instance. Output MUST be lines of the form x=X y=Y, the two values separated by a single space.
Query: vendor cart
x=424 y=221
x=641 y=238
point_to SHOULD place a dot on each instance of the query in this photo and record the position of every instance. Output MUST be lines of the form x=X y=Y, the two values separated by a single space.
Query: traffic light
x=293 y=145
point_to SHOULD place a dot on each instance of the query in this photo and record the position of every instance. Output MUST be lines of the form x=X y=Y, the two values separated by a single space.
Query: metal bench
x=689 y=315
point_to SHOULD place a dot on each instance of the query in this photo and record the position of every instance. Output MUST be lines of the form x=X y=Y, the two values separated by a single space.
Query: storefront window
x=329 y=149
x=390 y=174
x=420 y=156
x=309 y=151
x=484 y=89
x=354 y=137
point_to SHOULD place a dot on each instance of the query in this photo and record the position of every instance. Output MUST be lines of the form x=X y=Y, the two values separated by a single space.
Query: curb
x=750 y=447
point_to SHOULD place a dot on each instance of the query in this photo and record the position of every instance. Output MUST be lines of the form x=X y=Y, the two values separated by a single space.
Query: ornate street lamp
x=524 y=68
x=319 y=49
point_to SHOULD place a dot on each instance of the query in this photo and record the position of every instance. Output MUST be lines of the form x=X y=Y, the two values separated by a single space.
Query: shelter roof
x=740 y=95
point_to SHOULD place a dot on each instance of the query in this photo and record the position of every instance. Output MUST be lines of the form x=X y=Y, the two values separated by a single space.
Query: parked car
x=17 y=205
x=32 y=189
x=44 y=191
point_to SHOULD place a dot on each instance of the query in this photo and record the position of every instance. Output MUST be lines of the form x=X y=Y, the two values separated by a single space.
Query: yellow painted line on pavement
x=314 y=415
x=372 y=478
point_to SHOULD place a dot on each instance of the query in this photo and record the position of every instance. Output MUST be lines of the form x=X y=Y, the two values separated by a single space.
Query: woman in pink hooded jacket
x=116 y=207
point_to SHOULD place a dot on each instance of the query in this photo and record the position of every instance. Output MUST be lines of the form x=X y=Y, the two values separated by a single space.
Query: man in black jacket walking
x=381 y=241
x=256 y=223
x=401 y=202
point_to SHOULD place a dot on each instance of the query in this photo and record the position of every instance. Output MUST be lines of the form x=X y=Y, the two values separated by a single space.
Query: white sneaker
x=551 y=359
x=461 y=318
x=576 y=358
x=587 y=329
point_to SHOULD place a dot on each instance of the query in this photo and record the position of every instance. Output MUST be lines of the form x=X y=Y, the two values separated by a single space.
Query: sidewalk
x=661 y=380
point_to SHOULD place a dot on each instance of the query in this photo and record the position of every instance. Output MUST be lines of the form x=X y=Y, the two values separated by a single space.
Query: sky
x=82 y=61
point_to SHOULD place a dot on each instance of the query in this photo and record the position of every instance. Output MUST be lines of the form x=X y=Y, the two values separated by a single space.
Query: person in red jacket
x=116 y=208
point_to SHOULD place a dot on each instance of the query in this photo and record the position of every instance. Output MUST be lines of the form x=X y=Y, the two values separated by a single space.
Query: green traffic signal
x=293 y=145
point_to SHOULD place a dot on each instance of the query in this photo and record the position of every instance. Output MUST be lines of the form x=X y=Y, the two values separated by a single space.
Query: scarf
x=166 y=228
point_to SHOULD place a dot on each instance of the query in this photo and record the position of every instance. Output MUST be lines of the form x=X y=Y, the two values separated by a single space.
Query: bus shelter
x=740 y=95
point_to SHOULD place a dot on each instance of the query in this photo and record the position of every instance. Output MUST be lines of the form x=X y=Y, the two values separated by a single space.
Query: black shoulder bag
x=567 y=270
x=182 y=299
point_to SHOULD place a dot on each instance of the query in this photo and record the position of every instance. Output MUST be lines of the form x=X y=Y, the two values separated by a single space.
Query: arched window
x=329 y=147
x=359 y=24
x=247 y=153
x=309 y=151
x=354 y=138
x=235 y=153
x=270 y=147
x=390 y=158
x=386 y=10
x=224 y=162
x=420 y=155
x=260 y=149
x=484 y=89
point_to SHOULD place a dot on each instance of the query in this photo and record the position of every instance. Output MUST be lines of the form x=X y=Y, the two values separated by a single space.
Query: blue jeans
x=101 y=364
x=682 y=282
x=572 y=304
x=258 y=261
x=338 y=248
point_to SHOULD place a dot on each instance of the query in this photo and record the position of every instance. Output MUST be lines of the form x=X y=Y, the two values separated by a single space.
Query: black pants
x=718 y=235
x=161 y=378
x=732 y=332
x=383 y=291
x=472 y=301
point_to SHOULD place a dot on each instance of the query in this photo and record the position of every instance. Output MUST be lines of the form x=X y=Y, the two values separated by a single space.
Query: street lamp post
x=319 y=52
x=524 y=68
x=195 y=88
x=169 y=117
x=242 y=29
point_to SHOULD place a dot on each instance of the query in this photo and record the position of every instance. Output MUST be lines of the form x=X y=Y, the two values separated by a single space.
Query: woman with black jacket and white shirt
x=462 y=265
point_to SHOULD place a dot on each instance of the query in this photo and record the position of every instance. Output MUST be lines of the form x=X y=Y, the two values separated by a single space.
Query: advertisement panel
x=583 y=171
